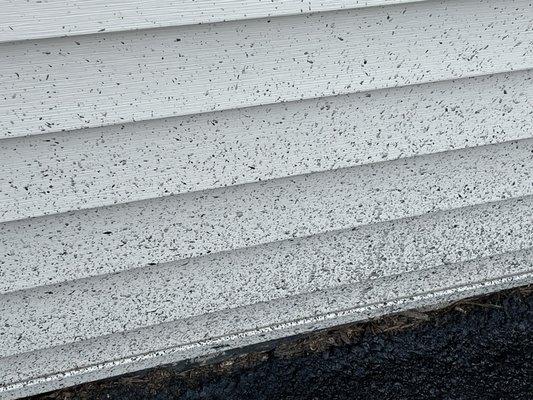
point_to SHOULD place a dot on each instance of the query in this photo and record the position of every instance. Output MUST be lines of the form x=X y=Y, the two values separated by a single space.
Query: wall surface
x=183 y=177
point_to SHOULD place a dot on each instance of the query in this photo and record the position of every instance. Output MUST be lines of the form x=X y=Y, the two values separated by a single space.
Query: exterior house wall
x=182 y=178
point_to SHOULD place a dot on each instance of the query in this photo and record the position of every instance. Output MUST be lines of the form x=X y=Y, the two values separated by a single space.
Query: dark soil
x=480 y=348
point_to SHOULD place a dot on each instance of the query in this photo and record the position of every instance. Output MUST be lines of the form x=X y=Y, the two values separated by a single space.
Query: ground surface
x=476 y=349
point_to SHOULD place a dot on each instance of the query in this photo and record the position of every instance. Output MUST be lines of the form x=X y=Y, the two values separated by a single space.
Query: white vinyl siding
x=182 y=178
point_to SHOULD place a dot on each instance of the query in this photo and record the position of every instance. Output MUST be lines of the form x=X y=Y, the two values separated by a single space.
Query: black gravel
x=476 y=349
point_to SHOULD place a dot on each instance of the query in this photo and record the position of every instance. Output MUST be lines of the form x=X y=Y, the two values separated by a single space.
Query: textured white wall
x=56 y=18
x=170 y=193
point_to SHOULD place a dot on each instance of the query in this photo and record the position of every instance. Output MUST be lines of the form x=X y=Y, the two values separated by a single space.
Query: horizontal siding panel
x=70 y=312
x=166 y=343
x=22 y=20
x=80 y=244
x=97 y=167
x=88 y=81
